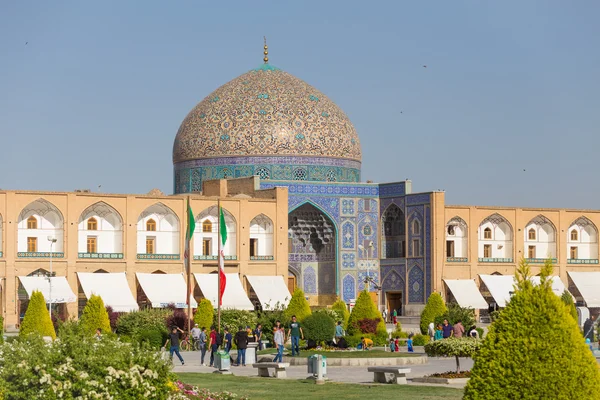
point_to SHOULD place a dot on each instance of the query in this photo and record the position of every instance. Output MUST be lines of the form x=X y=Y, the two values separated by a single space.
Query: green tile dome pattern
x=266 y=112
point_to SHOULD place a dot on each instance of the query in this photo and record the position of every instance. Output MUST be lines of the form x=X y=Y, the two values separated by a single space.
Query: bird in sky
x=424 y=66
x=26 y=43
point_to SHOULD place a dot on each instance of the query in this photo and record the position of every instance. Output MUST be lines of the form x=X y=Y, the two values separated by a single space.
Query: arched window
x=151 y=225
x=92 y=224
x=574 y=235
x=207 y=226
x=487 y=233
x=416 y=228
x=31 y=222
x=531 y=234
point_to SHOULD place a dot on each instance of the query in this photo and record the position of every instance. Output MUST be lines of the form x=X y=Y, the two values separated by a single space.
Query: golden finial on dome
x=266 y=52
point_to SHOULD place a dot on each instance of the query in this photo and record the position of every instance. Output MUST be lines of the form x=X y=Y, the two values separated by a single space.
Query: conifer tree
x=568 y=300
x=365 y=308
x=534 y=350
x=37 y=318
x=434 y=308
x=205 y=314
x=95 y=316
x=342 y=309
x=298 y=306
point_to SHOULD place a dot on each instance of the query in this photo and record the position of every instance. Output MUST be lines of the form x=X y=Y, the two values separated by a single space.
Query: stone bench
x=263 y=369
x=399 y=374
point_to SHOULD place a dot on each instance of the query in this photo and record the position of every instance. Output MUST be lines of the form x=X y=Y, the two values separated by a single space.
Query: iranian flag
x=223 y=234
x=191 y=226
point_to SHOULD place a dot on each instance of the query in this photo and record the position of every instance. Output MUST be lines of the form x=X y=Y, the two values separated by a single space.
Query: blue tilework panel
x=419 y=198
x=349 y=288
x=362 y=275
x=348 y=208
x=310 y=280
x=392 y=189
x=348 y=235
x=337 y=190
x=416 y=287
x=348 y=260
x=428 y=246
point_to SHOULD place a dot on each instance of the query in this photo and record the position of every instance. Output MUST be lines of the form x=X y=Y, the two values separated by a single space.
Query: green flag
x=222 y=227
x=191 y=223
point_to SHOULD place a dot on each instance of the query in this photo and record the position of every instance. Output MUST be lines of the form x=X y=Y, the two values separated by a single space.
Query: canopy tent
x=61 y=291
x=234 y=297
x=270 y=290
x=501 y=286
x=112 y=287
x=588 y=284
x=466 y=293
x=165 y=289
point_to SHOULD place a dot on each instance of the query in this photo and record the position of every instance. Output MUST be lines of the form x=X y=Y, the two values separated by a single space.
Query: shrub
x=94 y=316
x=1 y=331
x=457 y=313
x=268 y=319
x=180 y=319
x=342 y=309
x=434 y=308
x=568 y=300
x=534 y=350
x=298 y=306
x=454 y=347
x=368 y=325
x=113 y=317
x=153 y=337
x=79 y=366
x=319 y=327
x=233 y=319
x=131 y=325
x=365 y=308
x=37 y=319
x=480 y=332
x=204 y=314
x=420 y=340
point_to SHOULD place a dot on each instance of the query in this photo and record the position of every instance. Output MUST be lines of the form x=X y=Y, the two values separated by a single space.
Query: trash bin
x=312 y=362
x=317 y=365
x=222 y=360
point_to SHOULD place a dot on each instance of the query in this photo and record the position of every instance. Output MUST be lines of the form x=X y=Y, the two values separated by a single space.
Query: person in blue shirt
x=258 y=336
x=228 y=340
x=339 y=332
x=409 y=343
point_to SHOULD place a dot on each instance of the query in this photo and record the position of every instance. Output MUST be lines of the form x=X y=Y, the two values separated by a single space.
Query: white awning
x=165 y=289
x=466 y=293
x=500 y=286
x=112 y=287
x=588 y=284
x=61 y=291
x=270 y=290
x=235 y=296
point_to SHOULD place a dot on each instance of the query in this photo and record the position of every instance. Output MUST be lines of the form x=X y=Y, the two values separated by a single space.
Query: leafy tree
x=204 y=314
x=37 y=319
x=453 y=347
x=457 y=313
x=233 y=319
x=534 y=349
x=319 y=326
x=342 y=309
x=365 y=308
x=298 y=306
x=434 y=308
x=95 y=316
x=568 y=300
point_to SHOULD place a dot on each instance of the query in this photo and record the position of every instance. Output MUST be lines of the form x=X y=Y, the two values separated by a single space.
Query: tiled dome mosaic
x=266 y=111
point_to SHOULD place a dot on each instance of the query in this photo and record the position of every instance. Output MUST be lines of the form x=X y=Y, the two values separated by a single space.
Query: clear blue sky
x=98 y=93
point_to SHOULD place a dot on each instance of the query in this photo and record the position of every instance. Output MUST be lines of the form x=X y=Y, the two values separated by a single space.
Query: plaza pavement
x=336 y=374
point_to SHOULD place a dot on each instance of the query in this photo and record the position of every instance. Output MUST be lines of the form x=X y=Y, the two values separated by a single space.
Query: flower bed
x=183 y=391
x=451 y=375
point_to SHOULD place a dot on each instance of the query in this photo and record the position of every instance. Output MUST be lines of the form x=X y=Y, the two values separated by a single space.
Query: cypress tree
x=37 y=319
x=534 y=350
x=365 y=308
x=434 y=308
x=95 y=316
x=205 y=313
x=298 y=306
x=342 y=309
x=568 y=300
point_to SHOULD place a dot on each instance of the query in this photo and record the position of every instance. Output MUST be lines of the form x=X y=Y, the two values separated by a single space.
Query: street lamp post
x=52 y=240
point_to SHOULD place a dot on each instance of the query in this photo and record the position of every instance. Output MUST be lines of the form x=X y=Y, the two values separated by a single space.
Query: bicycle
x=189 y=345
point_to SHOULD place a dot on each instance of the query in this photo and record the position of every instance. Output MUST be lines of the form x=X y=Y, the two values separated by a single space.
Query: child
x=392 y=345
x=439 y=334
x=396 y=343
x=409 y=343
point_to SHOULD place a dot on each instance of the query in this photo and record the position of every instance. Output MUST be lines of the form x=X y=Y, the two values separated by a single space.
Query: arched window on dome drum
x=207 y=226
x=151 y=226
x=92 y=224
x=31 y=222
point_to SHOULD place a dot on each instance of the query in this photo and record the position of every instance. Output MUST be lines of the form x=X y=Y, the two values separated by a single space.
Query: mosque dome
x=269 y=123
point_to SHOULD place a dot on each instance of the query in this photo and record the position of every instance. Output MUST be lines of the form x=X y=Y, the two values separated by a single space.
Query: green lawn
x=346 y=354
x=277 y=389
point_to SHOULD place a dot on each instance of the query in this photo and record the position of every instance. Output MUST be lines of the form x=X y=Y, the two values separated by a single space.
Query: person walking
x=294 y=333
x=258 y=336
x=195 y=335
x=458 y=329
x=279 y=340
x=227 y=340
x=213 y=344
x=202 y=345
x=241 y=342
x=395 y=317
x=447 y=330
x=174 y=339
x=339 y=332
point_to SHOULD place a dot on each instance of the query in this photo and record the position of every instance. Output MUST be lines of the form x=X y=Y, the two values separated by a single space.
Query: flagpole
x=219 y=265
x=189 y=272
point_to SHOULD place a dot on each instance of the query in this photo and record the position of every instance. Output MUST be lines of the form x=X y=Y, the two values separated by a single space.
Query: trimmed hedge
x=535 y=349
x=298 y=306
x=95 y=316
x=420 y=340
x=434 y=308
x=37 y=319
x=319 y=327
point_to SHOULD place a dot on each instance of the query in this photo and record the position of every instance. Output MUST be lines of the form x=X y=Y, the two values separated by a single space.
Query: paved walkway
x=336 y=374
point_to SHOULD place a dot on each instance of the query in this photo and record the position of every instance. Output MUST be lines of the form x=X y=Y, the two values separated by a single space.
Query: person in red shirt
x=213 y=344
